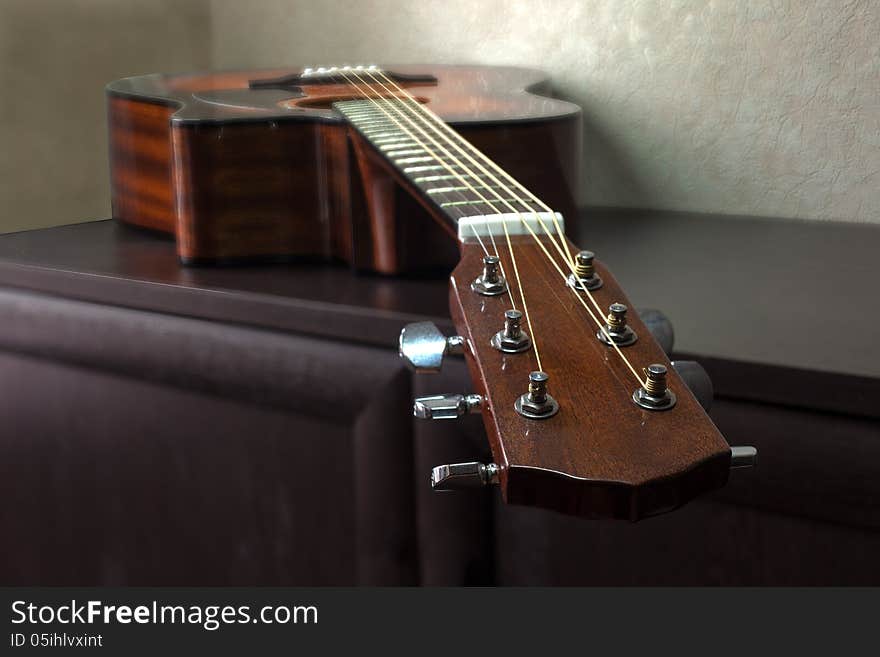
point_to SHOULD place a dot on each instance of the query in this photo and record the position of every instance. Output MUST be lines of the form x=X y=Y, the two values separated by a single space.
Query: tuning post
x=490 y=282
x=537 y=404
x=654 y=395
x=511 y=339
x=422 y=346
x=446 y=407
x=584 y=276
x=616 y=329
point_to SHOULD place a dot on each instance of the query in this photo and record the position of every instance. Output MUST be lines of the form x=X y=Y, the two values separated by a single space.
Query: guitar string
x=455 y=175
x=462 y=196
x=445 y=165
x=595 y=319
x=470 y=173
x=519 y=213
x=461 y=178
x=451 y=171
x=438 y=121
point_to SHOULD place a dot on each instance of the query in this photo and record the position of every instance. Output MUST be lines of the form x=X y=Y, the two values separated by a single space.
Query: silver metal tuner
x=422 y=346
x=536 y=404
x=616 y=329
x=660 y=327
x=454 y=476
x=697 y=380
x=446 y=407
x=511 y=339
x=490 y=282
x=743 y=456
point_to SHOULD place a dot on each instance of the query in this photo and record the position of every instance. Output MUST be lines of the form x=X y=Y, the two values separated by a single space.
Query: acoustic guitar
x=407 y=168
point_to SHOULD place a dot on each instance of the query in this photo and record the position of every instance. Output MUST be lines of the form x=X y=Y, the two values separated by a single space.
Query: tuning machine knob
x=422 y=346
x=660 y=327
x=446 y=407
x=697 y=380
x=454 y=476
x=743 y=456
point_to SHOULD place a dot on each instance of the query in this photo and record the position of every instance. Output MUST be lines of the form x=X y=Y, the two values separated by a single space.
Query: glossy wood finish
x=264 y=175
x=141 y=163
x=601 y=455
x=236 y=173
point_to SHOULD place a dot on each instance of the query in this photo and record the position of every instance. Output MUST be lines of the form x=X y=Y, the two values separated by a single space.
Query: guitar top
x=459 y=94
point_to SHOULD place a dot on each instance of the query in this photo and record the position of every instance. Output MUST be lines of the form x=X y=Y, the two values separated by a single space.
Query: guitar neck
x=455 y=179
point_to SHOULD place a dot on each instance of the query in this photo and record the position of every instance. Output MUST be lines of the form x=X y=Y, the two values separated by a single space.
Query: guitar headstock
x=596 y=430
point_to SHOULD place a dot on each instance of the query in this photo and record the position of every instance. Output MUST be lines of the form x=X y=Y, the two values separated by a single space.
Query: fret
x=446 y=190
x=373 y=119
x=457 y=213
x=435 y=170
x=444 y=160
x=437 y=167
x=428 y=167
x=424 y=179
x=491 y=202
x=380 y=135
x=415 y=160
x=366 y=126
x=406 y=151
x=378 y=128
x=397 y=142
x=362 y=114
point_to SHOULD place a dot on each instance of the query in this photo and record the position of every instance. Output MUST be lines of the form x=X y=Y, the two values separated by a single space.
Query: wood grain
x=601 y=455
x=141 y=163
x=270 y=175
x=267 y=176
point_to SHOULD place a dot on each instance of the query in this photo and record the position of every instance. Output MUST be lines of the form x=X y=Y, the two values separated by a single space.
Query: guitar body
x=238 y=173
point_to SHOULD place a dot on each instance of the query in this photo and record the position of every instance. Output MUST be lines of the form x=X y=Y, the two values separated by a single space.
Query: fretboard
x=433 y=161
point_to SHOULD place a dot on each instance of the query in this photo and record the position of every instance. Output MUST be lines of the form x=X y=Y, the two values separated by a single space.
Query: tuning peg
x=743 y=456
x=697 y=380
x=423 y=346
x=660 y=327
x=453 y=476
x=445 y=407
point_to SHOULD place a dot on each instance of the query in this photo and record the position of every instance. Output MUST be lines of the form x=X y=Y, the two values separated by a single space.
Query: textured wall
x=765 y=107
x=55 y=58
